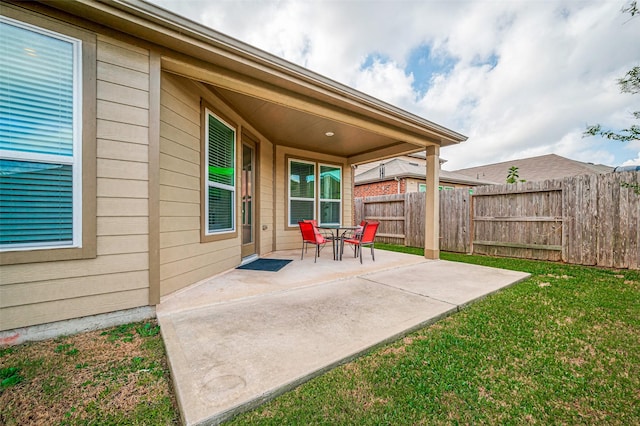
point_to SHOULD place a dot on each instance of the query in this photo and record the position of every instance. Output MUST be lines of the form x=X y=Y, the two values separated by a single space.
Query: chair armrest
x=355 y=233
x=328 y=235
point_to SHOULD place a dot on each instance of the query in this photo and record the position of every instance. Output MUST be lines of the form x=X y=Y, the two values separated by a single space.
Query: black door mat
x=272 y=265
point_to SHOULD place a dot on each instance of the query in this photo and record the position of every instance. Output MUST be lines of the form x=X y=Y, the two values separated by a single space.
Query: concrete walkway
x=232 y=346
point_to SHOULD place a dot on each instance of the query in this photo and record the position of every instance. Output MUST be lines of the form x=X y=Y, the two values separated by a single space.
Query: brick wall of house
x=387 y=187
x=390 y=187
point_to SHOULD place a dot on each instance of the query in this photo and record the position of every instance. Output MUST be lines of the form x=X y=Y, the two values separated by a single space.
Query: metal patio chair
x=365 y=238
x=310 y=235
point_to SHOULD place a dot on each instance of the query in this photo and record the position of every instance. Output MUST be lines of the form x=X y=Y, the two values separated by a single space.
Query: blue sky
x=520 y=78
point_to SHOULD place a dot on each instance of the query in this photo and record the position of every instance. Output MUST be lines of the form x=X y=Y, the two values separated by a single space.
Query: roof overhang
x=287 y=103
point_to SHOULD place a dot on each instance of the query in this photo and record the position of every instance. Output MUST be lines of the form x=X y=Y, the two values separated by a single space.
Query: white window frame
x=290 y=198
x=208 y=183
x=317 y=201
x=75 y=161
x=329 y=200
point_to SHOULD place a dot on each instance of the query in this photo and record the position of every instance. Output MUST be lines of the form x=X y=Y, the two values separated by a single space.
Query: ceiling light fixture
x=329 y=134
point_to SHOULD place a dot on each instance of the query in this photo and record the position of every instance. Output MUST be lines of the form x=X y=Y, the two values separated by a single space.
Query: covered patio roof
x=289 y=104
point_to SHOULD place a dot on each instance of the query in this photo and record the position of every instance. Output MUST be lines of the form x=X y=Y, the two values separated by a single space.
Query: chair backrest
x=308 y=231
x=315 y=227
x=369 y=232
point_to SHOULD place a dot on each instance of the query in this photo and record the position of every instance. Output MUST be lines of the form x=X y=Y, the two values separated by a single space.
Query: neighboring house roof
x=550 y=166
x=398 y=168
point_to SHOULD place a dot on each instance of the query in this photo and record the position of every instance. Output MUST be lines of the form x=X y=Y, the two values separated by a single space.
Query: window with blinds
x=330 y=194
x=40 y=132
x=312 y=185
x=302 y=186
x=221 y=175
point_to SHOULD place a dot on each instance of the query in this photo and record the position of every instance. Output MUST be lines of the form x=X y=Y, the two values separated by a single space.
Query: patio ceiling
x=298 y=129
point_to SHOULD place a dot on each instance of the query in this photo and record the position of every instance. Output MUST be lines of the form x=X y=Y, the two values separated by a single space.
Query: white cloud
x=556 y=70
x=633 y=161
x=387 y=81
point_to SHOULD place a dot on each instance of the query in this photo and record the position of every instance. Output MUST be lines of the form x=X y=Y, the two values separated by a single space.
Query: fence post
x=472 y=223
x=406 y=227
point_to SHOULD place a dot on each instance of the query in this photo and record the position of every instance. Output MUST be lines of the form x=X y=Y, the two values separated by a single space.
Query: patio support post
x=432 y=208
x=155 y=71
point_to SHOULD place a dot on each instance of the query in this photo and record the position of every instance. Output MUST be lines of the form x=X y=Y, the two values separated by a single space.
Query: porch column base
x=432 y=254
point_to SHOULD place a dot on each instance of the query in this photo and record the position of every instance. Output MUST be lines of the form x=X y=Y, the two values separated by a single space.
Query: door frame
x=251 y=249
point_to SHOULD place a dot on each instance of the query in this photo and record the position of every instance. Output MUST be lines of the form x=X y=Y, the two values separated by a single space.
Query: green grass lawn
x=559 y=348
x=562 y=347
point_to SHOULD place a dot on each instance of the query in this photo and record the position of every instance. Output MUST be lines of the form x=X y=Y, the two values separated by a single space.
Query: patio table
x=338 y=237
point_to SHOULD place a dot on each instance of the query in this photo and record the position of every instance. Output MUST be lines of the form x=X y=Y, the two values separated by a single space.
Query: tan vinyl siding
x=135 y=79
x=47 y=271
x=198 y=261
x=208 y=270
x=118 y=277
x=184 y=260
x=123 y=170
x=67 y=288
x=175 y=253
x=265 y=230
x=179 y=179
x=109 y=188
x=122 y=226
x=118 y=244
x=115 y=93
x=123 y=151
x=109 y=130
x=172 y=224
x=121 y=207
x=40 y=313
x=412 y=185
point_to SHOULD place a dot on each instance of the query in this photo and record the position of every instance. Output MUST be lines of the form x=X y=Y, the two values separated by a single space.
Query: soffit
x=298 y=129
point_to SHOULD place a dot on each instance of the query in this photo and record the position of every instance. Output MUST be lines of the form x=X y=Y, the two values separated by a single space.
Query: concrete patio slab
x=457 y=285
x=230 y=355
x=240 y=284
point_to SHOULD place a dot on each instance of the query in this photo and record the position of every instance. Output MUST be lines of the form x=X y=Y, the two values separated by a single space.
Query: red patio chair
x=356 y=232
x=327 y=235
x=310 y=235
x=366 y=238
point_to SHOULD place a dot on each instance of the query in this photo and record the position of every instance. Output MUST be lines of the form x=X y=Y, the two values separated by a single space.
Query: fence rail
x=587 y=220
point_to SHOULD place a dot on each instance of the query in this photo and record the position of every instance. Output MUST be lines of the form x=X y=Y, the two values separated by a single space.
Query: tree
x=632 y=9
x=512 y=175
x=630 y=83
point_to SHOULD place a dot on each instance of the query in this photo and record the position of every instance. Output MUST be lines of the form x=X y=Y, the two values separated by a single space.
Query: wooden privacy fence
x=522 y=220
x=587 y=220
x=391 y=212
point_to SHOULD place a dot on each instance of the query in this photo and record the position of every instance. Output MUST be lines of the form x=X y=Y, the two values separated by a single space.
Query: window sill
x=47 y=255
